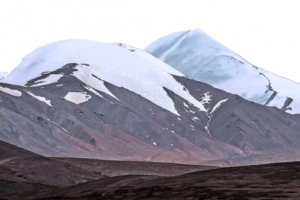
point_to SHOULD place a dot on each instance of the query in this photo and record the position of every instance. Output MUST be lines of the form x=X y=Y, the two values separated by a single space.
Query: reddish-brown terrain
x=273 y=181
x=25 y=175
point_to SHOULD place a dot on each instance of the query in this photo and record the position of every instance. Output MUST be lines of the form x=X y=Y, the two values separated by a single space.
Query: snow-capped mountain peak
x=120 y=65
x=200 y=57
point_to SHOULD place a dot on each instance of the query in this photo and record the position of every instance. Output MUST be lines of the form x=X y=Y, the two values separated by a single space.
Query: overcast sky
x=264 y=32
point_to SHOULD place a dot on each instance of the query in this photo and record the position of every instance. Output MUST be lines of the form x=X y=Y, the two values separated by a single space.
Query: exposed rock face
x=200 y=57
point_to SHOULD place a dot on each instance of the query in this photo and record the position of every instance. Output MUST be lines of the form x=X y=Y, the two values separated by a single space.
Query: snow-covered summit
x=118 y=64
x=200 y=57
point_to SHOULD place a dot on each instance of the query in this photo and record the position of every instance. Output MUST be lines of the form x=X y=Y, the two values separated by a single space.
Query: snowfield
x=200 y=57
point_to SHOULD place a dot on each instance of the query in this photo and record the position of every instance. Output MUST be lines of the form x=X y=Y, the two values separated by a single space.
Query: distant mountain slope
x=120 y=103
x=200 y=57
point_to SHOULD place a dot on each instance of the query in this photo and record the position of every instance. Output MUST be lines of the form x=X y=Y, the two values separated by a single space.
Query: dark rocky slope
x=232 y=131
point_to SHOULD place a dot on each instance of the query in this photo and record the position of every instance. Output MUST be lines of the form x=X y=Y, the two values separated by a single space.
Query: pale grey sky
x=264 y=32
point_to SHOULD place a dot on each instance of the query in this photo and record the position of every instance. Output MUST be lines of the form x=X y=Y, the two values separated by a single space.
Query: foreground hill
x=85 y=99
x=22 y=171
x=273 y=181
x=200 y=57
x=25 y=175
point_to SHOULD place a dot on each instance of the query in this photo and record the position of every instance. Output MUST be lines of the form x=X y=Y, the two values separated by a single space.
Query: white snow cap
x=119 y=65
x=200 y=57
